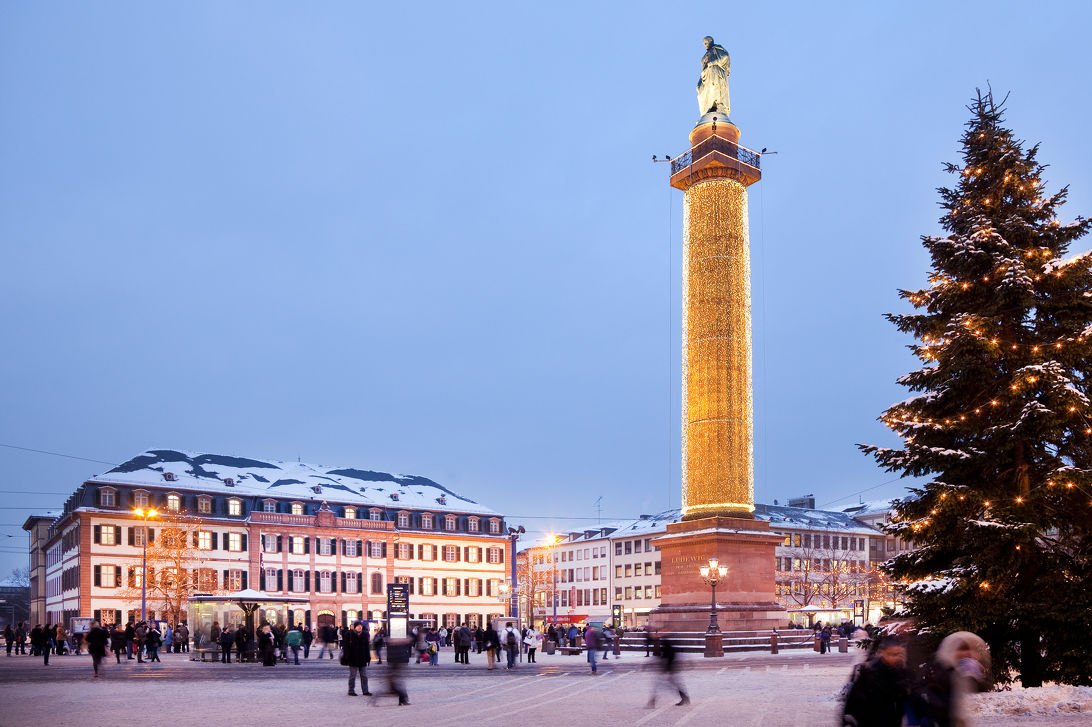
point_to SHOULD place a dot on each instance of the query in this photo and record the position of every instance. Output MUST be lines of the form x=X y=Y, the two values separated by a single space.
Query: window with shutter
x=98 y=575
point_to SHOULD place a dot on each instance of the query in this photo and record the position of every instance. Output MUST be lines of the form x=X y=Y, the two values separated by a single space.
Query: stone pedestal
x=745 y=597
x=714 y=644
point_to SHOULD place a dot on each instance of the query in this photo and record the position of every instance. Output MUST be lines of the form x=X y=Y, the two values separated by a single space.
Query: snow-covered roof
x=783 y=517
x=286 y=480
x=864 y=509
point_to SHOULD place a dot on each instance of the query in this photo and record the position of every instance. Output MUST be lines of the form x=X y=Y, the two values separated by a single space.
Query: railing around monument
x=740 y=153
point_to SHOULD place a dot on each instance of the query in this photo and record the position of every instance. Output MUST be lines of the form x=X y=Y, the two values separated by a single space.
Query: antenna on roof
x=599 y=510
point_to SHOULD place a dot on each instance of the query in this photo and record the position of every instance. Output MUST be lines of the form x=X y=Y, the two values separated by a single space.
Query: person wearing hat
x=356 y=655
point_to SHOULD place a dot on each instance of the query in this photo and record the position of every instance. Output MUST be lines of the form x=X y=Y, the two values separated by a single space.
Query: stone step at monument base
x=694 y=642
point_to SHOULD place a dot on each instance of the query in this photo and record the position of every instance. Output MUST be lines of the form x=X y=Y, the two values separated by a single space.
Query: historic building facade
x=332 y=536
x=824 y=565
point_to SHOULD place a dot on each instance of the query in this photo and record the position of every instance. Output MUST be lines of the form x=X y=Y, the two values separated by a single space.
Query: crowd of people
x=885 y=691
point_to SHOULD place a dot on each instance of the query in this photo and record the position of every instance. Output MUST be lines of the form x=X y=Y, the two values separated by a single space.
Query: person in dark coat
x=378 y=643
x=492 y=644
x=669 y=667
x=96 y=644
x=241 y=642
x=152 y=641
x=226 y=640
x=267 y=647
x=130 y=637
x=824 y=640
x=877 y=697
x=39 y=642
x=357 y=654
x=308 y=637
x=117 y=642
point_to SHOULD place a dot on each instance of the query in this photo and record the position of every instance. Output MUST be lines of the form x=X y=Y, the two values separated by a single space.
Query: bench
x=571 y=650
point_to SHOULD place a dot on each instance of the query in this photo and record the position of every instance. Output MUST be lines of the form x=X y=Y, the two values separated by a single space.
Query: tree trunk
x=1031 y=658
x=1023 y=479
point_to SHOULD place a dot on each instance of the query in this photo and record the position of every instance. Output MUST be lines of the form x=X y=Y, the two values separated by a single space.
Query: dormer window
x=174 y=502
x=235 y=507
x=375 y=514
x=317 y=489
x=297 y=508
x=269 y=506
x=204 y=504
x=442 y=499
x=403 y=519
x=169 y=476
x=350 y=513
x=494 y=526
x=426 y=521
x=472 y=524
x=140 y=499
x=449 y=522
x=108 y=497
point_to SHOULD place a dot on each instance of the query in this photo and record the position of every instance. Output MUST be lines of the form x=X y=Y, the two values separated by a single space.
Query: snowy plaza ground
x=794 y=688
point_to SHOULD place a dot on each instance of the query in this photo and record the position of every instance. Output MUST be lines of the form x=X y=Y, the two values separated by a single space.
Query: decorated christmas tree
x=1001 y=424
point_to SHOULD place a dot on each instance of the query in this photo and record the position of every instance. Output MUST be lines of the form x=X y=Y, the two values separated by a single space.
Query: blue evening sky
x=428 y=238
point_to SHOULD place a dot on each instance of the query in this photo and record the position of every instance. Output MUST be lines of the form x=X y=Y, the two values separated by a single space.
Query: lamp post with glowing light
x=713 y=573
x=555 y=539
x=144 y=514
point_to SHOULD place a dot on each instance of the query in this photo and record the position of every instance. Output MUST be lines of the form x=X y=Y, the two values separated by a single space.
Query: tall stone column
x=718 y=469
x=718 y=461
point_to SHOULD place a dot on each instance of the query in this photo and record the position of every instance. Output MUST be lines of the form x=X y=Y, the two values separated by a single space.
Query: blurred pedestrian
x=308 y=637
x=267 y=648
x=9 y=637
x=96 y=645
x=292 y=640
x=510 y=639
x=592 y=639
x=879 y=689
x=152 y=641
x=960 y=667
x=117 y=641
x=226 y=640
x=670 y=671
x=491 y=644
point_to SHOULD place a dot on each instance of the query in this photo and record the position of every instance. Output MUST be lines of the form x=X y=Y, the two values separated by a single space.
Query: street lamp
x=513 y=535
x=712 y=574
x=144 y=514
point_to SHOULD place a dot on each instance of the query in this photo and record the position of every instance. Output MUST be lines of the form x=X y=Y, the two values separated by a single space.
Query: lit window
x=472 y=555
x=107 y=537
x=174 y=503
x=472 y=524
x=451 y=586
x=637 y=569
x=204 y=540
x=108 y=576
x=350 y=513
x=269 y=506
x=140 y=499
x=204 y=505
x=297 y=508
x=449 y=522
x=235 y=507
x=138 y=536
x=235 y=580
x=297 y=544
x=428 y=587
x=106 y=497
x=403 y=519
x=375 y=514
x=235 y=541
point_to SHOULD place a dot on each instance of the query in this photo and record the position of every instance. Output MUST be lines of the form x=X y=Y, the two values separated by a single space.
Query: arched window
x=350 y=513
x=403 y=519
x=174 y=502
x=140 y=499
x=297 y=508
x=269 y=506
x=375 y=514
x=449 y=522
x=426 y=521
x=472 y=524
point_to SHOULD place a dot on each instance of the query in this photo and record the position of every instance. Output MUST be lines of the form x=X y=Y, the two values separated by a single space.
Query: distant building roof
x=798 y=518
x=288 y=480
x=875 y=507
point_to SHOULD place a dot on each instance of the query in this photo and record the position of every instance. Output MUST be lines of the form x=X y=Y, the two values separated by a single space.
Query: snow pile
x=1047 y=699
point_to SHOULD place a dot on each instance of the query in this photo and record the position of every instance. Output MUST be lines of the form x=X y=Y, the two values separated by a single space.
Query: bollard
x=617 y=645
x=773 y=642
x=843 y=645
